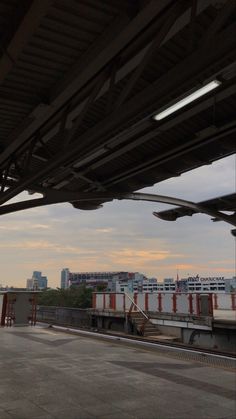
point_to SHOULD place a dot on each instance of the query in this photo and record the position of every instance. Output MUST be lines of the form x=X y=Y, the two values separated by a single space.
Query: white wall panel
x=182 y=303
x=120 y=302
x=141 y=301
x=107 y=301
x=224 y=301
x=99 y=301
x=152 y=302
x=167 y=303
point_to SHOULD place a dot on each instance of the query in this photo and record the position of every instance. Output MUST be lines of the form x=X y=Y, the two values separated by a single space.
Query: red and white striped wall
x=172 y=303
x=224 y=301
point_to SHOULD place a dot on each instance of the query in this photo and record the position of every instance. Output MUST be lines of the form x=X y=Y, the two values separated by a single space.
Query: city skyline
x=162 y=280
x=123 y=235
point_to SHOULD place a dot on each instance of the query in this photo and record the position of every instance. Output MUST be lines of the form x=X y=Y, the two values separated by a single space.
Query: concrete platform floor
x=46 y=374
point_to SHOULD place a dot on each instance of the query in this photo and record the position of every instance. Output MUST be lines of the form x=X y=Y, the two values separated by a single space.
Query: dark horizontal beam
x=222 y=203
x=77 y=198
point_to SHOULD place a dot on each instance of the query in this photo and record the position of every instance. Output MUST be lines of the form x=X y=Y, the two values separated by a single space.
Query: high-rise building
x=65 y=274
x=37 y=282
x=42 y=282
x=29 y=284
x=37 y=275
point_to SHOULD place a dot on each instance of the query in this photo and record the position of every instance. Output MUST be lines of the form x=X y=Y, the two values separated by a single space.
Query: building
x=119 y=282
x=126 y=282
x=37 y=275
x=92 y=279
x=230 y=284
x=37 y=282
x=65 y=278
x=133 y=282
x=168 y=285
x=114 y=281
x=137 y=282
x=29 y=284
x=42 y=282
x=208 y=284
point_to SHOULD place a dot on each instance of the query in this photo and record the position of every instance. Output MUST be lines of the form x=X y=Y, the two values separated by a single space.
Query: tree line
x=75 y=296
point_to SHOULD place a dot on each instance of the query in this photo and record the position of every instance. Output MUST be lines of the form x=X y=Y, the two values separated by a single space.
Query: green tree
x=80 y=297
x=101 y=288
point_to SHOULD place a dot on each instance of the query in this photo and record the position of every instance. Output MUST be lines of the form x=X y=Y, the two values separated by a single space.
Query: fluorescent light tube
x=188 y=99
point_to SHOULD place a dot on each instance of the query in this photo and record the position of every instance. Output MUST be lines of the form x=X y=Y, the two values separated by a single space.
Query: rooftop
x=49 y=374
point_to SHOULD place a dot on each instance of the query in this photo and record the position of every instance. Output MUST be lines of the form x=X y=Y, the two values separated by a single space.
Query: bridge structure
x=100 y=99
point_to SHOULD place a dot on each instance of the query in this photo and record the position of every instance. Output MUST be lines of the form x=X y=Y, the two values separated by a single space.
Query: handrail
x=139 y=309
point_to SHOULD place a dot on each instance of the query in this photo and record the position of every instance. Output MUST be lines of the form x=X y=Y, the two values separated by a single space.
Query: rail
x=134 y=304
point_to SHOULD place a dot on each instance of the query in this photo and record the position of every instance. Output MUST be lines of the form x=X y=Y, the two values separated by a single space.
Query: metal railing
x=76 y=317
x=134 y=304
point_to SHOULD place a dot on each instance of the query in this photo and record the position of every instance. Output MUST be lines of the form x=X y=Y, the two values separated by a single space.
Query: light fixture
x=188 y=99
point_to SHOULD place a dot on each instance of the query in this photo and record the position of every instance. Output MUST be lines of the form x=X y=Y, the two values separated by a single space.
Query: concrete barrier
x=77 y=317
x=171 y=303
x=17 y=308
x=225 y=301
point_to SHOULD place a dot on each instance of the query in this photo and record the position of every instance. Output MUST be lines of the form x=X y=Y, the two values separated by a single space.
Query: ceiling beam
x=220 y=20
x=171 y=17
x=183 y=73
x=192 y=25
x=81 y=70
x=164 y=126
x=128 y=66
x=90 y=67
x=117 y=147
x=9 y=28
x=25 y=30
x=175 y=153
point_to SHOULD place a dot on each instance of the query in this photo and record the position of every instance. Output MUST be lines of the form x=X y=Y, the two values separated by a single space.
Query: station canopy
x=103 y=98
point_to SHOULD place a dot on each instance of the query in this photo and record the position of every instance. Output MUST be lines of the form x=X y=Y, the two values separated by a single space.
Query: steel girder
x=121 y=123
x=76 y=199
x=198 y=60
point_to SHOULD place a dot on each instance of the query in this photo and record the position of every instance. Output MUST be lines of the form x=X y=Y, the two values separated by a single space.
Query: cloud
x=104 y=230
x=41 y=226
x=144 y=260
x=223 y=261
x=223 y=270
x=186 y=266
x=43 y=245
x=123 y=235
x=24 y=227
x=141 y=255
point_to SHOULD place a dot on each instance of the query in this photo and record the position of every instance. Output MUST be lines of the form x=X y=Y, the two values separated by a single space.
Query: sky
x=123 y=235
